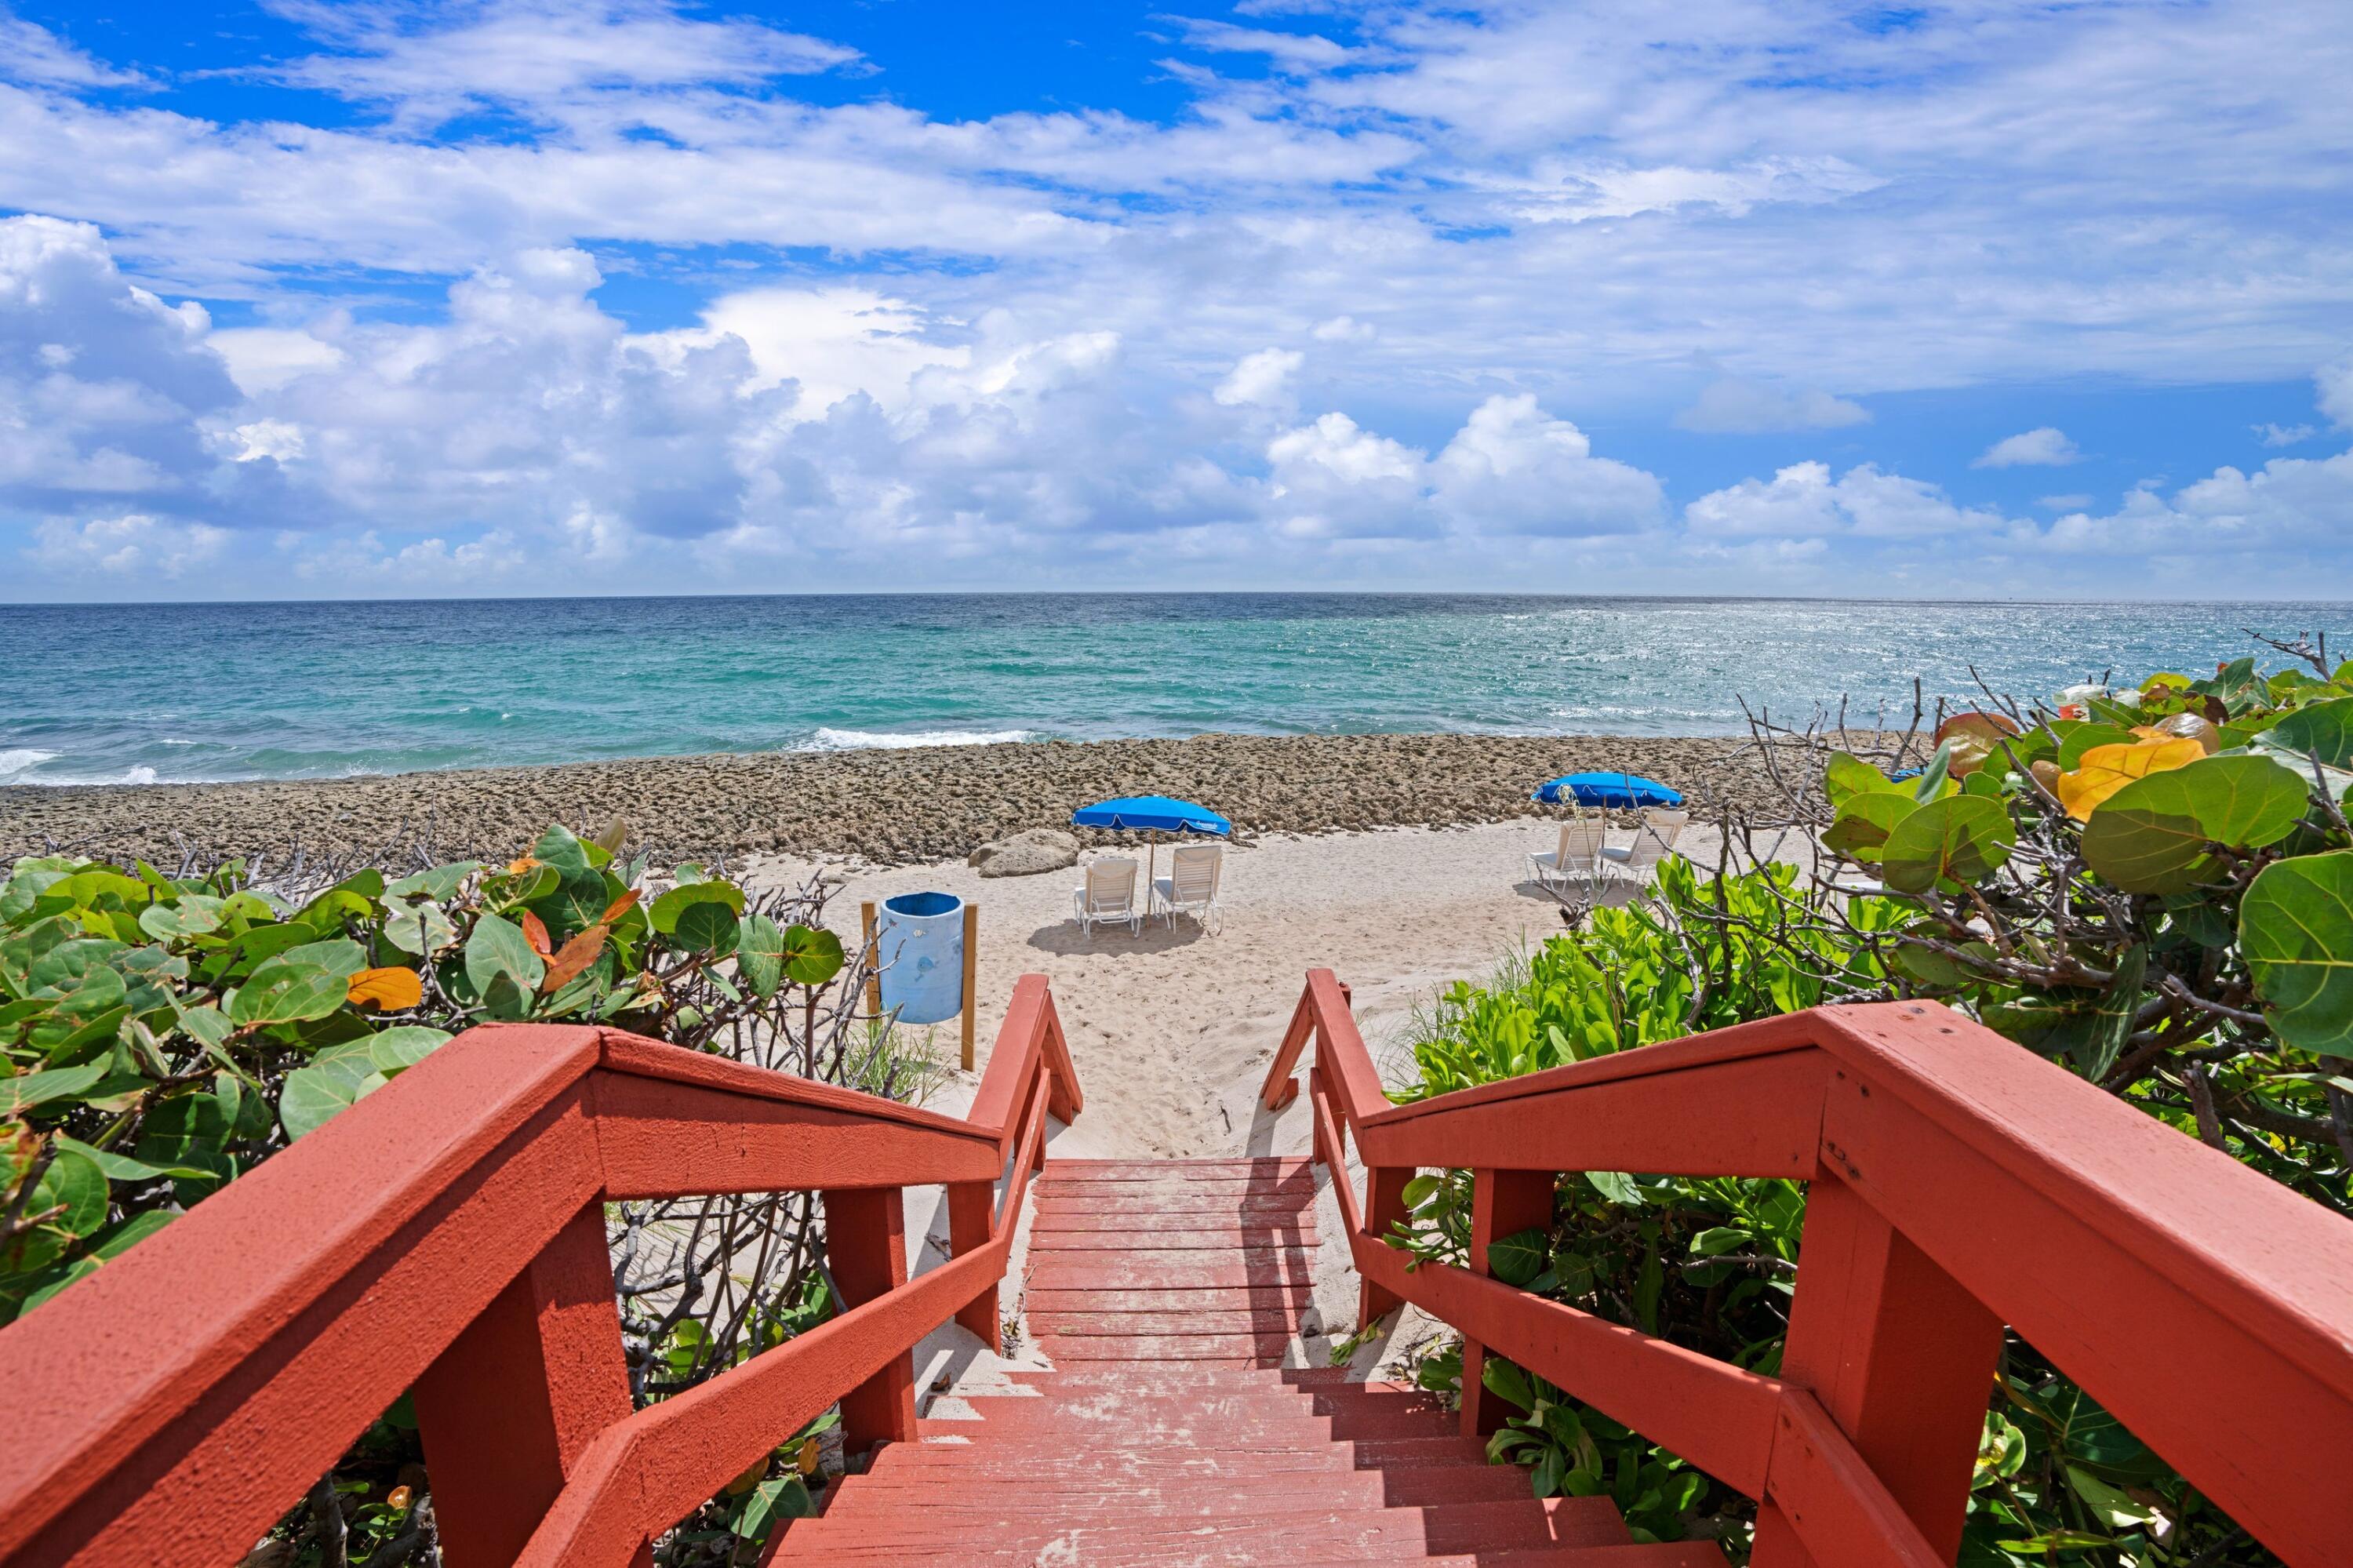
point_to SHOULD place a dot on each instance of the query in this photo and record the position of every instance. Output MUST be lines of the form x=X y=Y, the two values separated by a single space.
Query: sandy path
x=1171 y=1030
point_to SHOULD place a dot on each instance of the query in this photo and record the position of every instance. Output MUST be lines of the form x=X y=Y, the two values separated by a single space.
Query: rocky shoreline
x=881 y=807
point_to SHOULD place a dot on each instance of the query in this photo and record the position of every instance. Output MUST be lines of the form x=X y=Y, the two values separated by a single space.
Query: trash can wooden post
x=971 y=963
x=874 y=959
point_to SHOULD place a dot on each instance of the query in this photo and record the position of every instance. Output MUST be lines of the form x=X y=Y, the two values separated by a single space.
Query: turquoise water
x=148 y=693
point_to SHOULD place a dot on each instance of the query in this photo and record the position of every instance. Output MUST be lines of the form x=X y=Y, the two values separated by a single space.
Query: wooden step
x=1168 y=1435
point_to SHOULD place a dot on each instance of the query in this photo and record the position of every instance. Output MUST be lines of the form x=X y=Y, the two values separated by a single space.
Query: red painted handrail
x=1957 y=1184
x=445 y=1236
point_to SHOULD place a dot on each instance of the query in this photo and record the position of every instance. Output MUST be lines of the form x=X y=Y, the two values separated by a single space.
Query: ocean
x=148 y=693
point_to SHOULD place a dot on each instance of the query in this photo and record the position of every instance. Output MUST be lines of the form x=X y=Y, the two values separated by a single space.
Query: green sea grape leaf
x=812 y=955
x=2112 y=1021
x=2153 y=835
x=1960 y=838
x=707 y=925
x=2323 y=728
x=191 y=914
x=1865 y=823
x=1848 y=775
x=417 y=926
x=327 y=1086
x=671 y=904
x=1519 y=1257
x=436 y=884
x=397 y=1049
x=760 y=956
x=26 y=1090
x=2296 y=930
x=74 y=1187
x=122 y=1167
x=561 y=849
x=279 y=991
x=497 y=947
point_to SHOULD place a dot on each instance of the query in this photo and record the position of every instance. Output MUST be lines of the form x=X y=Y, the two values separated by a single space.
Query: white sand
x=1172 y=1031
x=1168 y=1026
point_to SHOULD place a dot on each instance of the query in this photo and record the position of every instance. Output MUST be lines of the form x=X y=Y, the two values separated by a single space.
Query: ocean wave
x=142 y=774
x=896 y=740
x=20 y=760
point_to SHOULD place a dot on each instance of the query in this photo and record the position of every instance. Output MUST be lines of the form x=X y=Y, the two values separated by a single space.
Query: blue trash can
x=918 y=941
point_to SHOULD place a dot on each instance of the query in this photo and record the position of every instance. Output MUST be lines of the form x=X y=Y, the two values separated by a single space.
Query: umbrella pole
x=1151 y=864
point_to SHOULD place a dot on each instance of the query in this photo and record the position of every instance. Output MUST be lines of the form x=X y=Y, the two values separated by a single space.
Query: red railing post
x=1384 y=1210
x=1899 y=1355
x=972 y=1217
x=1502 y=1203
x=866 y=1245
x=506 y=1411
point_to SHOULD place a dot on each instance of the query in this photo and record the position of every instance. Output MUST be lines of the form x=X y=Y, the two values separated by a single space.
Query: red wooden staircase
x=445 y=1237
x=1167 y=1294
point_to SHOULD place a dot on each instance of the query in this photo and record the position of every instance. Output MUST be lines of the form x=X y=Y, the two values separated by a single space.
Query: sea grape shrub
x=1711 y=1264
x=159 y=1035
x=2154 y=888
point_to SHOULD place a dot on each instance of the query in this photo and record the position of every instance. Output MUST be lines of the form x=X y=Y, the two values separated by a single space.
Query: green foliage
x=2159 y=895
x=159 y=1036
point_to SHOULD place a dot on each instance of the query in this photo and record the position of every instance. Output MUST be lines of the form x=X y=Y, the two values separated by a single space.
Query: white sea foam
x=894 y=740
x=19 y=760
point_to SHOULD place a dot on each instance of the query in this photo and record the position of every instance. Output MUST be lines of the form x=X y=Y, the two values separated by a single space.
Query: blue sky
x=1753 y=296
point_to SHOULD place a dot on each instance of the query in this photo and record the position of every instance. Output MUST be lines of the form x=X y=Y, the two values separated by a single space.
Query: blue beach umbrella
x=1621 y=791
x=1155 y=814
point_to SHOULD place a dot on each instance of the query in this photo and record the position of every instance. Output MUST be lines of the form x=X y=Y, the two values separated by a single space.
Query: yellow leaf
x=386 y=990
x=2104 y=769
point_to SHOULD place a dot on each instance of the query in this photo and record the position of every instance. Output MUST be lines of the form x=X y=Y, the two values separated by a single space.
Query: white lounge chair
x=1109 y=896
x=1577 y=854
x=1657 y=835
x=1191 y=885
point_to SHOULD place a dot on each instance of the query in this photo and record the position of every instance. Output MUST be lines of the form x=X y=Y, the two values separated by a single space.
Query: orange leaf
x=577 y=954
x=535 y=931
x=386 y=990
x=619 y=907
x=518 y=867
x=2104 y=769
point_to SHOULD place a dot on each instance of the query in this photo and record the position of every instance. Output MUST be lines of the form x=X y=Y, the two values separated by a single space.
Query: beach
x=884 y=807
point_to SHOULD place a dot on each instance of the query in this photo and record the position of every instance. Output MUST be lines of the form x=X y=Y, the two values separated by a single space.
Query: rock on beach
x=881 y=807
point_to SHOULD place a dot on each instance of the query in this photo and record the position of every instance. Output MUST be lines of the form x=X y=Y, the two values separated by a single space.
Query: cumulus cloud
x=2334 y=383
x=2272 y=435
x=1261 y=378
x=1732 y=406
x=104 y=388
x=1515 y=469
x=1802 y=500
x=2045 y=447
x=127 y=544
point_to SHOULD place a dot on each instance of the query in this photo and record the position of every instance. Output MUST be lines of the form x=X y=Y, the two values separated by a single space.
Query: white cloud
x=2045 y=447
x=1732 y=406
x=31 y=53
x=2336 y=392
x=1342 y=329
x=1514 y=469
x=828 y=342
x=1802 y=500
x=2073 y=503
x=1557 y=193
x=263 y=359
x=2272 y=435
x=1262 y=377
x=279 y=439
x=1299 y=51
x=129 y=544
x=545 y=56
